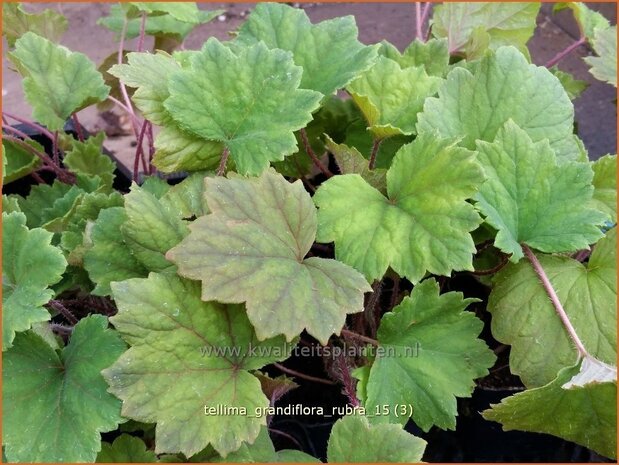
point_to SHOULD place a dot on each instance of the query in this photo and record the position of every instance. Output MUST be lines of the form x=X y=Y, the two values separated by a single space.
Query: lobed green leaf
x=56 y=404
x=421 y=226
x=30 y=265
x=533 y=199
x=329 y=52
x=431 y=356
x=56 y=81
x=248 y=98
x=353 y=439
x=251 y=248
x=169 y=376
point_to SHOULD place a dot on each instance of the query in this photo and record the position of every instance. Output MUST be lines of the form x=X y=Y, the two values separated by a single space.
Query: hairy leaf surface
x=186 y=11
x=605 y=184
x=163 y=26
x=248 y=98
x=72 y=238
x=55 y=404
x=176 y=150
x=390 y=97
x=261 y=451
x=57 y=82
x=30 y=265
x=585 y=415
x=532 y=199
x=523 y=316
x=168 y=376
x=503 y=86
x=432 y=356
x=587 y=19
x=16 y=22
x=422 y=225
x=354 y=439
x=109 y=258
x=505 y=24
x=19 y=161
x=604 y=65
x=125 y=449
x=350 y=161
x=149 y=74
x=574 y=87
x=433 y=55
x=329 y=52
x=150 y=229
x=86 y=158
x=252 y=249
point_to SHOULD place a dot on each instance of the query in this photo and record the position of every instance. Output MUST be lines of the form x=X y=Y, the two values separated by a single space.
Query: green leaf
x=169 y=376
x=259 y=90
x=261 y=451
x=16 y=22
x=55 y=404
x=505 y=24
x=186 y=199
x=111 y=81
x=57 y=82
x=126 y=449
x=30 y=265
x=86 y=158
x=187 y=11
x=504 y=85
x=109 y=258
x=390 y=97
x=431 y=355
x=574 y=87
x=604 y=65
x=329 y=52
x=350 y=161
x=150 y=74
x=605 y=184
x=353 y=439
x=587 y=19
x=433 y=55
x=72 y=239
x=41 y=199
x=523 y=316
x=532 y=199
x=10 y=204
x=19 y=161
x=251 y=249
x=177 y=150
x=156 y=186
x=161 y=26
x=422 y=225
x=585 y=415
x=63 y=209
x=151 y=230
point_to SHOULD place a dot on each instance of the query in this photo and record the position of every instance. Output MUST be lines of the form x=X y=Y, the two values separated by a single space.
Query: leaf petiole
x=308 y=149
x=375 y=147
x=222 y=164
x=556 y=303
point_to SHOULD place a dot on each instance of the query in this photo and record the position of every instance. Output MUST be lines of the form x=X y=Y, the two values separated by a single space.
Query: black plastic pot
x=22 y=186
